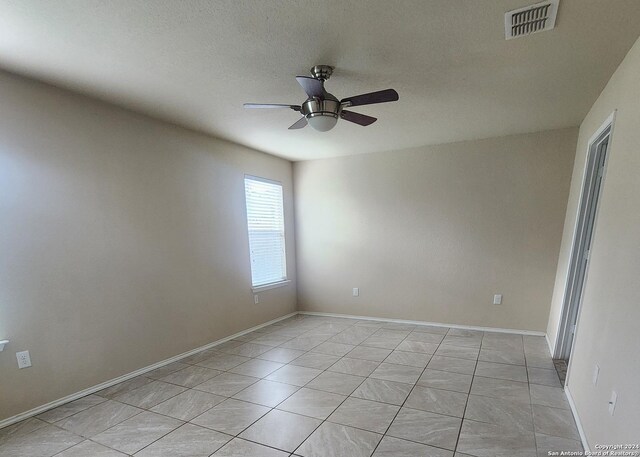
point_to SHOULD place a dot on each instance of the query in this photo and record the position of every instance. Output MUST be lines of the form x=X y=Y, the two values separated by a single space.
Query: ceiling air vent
x=530 y=19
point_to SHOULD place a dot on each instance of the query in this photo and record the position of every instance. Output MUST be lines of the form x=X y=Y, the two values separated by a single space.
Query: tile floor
x=323 y=387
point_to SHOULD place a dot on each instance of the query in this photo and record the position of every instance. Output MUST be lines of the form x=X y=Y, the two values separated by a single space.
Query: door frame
x=571 y=303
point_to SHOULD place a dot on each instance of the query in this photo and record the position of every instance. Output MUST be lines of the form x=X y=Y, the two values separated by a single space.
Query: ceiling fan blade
x=271 y=105
x=299 y=124
x=312 y=86
x=360 y=119
x=382 y=96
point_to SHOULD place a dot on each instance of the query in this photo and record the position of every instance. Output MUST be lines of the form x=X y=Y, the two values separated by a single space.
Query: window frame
x=281 y=282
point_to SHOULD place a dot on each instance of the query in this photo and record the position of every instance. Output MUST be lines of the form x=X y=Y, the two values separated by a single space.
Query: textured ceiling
x=195 y=62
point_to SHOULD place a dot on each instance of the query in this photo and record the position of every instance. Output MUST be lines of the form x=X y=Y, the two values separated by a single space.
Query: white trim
x=40 y=409
x=608 y=123
x=272 y=285
x=435 y=324
x=549 y=345
x=574 y=411
x=2 y=344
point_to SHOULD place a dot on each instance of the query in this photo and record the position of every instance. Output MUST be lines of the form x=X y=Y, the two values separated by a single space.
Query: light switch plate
x=596 y=373
x=356 y=291
x=497 y=299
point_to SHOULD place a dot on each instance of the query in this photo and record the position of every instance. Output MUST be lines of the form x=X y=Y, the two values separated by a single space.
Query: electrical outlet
x=24 y=359
x=596 y=373
x=256 y=299
x=356 y=291
x=497 y=299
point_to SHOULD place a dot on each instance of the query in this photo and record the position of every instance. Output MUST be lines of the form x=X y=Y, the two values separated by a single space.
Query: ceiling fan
x=322 y=110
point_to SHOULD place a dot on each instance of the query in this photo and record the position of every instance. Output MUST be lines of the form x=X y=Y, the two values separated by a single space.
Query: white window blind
x=265 y=220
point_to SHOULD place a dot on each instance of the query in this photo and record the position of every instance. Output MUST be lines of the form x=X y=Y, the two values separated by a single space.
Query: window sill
x=273 y=285
x=2 y=343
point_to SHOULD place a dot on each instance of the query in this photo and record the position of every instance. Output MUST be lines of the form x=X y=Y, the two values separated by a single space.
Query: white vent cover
x=530 y=19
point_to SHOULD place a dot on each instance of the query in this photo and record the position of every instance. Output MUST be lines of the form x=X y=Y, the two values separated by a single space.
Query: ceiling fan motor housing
x=321 y=114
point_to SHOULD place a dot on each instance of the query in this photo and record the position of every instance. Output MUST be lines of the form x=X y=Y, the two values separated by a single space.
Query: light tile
x=281 y=355
x=226 y=384
x=315 y=360
x=381 y=342
x=543 y=377
x=248 y=350
x=187 y=441
x=334 y=440
x=398 y=373
x=188 y=404
x=426 y=428
x=431 y=329
x=166 y=370
x=501 y=371
x=98 y=418
x=554 y=422
x=395 y=447
x=312 y=403
x=548 y=445
x=500 y=411
x=150 y=394
x=365 y=414
x=71 y=408
x=417 y=346
x=452 y=364
x=223 y=362
x=338 y=349
x=338 y=383
x=369 y=353
x=304 y=343
x=242 y=448
x=464 y=341
x=464 y=332
x=137 y=432
x=20 y=429
x=124 y=386
x=358 y=367
x=500 y=388
x=90 y=449
x=445 y=380
x=391 y=392
x=191 y=376
x=266 y=393
x=460 y=352
x=424 y=337
x=294 y=375
x=489 y=440
x=231 y=416
x=282 y=430
x=415 y=359
x=548 y=396
x=437 y=401
x=499 y=356
x=42 y=442
x=256 y=368
x=538 y=361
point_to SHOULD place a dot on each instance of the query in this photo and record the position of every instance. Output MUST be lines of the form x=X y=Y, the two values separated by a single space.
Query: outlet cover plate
x=24 y=359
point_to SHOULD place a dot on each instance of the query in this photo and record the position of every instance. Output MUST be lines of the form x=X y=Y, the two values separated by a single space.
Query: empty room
x=328 y=228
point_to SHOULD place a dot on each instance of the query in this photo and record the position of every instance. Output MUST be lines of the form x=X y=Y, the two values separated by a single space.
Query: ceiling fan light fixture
x=322 y=122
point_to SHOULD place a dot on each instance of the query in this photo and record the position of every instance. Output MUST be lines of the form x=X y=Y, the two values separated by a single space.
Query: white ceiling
x=195 y=62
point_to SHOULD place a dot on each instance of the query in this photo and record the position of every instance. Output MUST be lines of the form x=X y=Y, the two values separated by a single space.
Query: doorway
x=581 y=249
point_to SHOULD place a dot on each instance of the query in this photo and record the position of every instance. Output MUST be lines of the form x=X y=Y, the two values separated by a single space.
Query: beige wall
x=122 y=242
x=608 y=327
x=432 y=233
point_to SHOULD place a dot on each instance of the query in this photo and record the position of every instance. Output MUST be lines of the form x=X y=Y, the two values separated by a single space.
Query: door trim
x=564 y=344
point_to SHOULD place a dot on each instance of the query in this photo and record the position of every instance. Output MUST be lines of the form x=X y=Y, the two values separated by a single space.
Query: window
x=265 y=221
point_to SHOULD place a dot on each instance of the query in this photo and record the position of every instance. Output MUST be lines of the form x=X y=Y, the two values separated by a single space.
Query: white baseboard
x=574 y=411
x=435 y=324
x=40 y=409
x=551 y=349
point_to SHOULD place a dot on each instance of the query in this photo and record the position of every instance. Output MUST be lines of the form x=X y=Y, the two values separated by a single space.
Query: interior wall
x=433 y=233
x=123 y=241
x=607 y=332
